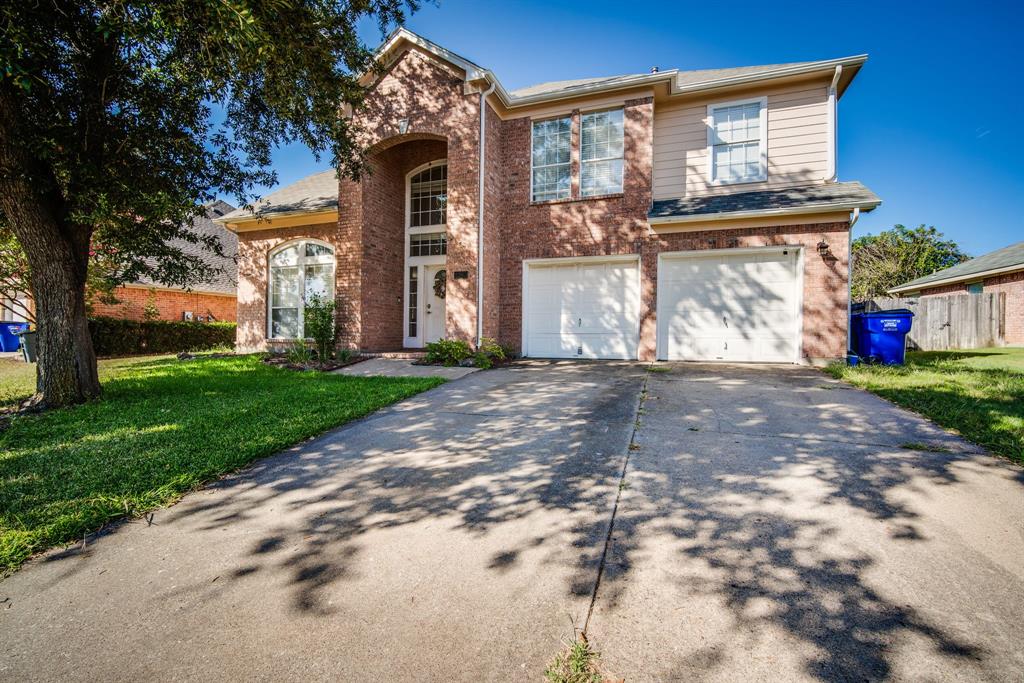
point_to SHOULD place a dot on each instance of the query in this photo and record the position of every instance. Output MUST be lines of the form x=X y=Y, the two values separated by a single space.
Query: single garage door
x=585 y=309
x=730 y=306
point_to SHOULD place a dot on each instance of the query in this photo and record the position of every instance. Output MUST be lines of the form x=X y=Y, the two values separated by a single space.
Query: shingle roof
x=317 y=192
x=1007 y=257
x=808 y=197
x=682 y=78
x=225 y=282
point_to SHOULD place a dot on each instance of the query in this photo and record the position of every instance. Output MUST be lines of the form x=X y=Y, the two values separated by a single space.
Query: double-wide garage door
x=725 y=306
x=586 y=309
x=729 y=305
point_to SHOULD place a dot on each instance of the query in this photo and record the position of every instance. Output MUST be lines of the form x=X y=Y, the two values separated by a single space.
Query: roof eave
x=968 y=277
x=266 y=218
x=764 y=213
x=827 y=65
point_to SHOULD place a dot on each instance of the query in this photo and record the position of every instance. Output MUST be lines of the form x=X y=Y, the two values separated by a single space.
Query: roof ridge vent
x=654 y=69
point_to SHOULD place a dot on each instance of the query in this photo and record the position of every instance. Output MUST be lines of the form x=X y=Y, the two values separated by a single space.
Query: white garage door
x=585 y=309
x=730 y=306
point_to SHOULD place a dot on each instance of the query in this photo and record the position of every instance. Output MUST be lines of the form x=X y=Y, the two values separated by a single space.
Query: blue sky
x=931 y=124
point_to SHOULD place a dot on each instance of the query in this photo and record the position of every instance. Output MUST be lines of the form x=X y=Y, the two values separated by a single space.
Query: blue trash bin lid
x=891 y=313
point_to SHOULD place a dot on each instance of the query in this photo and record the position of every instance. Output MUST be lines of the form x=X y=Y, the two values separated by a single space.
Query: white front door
x=586 y=309
x=739 y=306
x=434 y=285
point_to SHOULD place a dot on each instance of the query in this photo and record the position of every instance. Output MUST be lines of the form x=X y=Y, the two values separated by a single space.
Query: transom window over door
x=601 y=153
x=298 y=271
x=738 y=141
x=551 y=159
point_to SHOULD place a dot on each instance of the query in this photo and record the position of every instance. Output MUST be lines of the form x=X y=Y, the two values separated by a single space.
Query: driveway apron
x=454 y=536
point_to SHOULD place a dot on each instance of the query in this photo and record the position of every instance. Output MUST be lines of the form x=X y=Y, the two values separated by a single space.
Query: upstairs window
x=601 y=153
x=298 y=271
x=551 y=159
x=428 y=197
x=737 y=141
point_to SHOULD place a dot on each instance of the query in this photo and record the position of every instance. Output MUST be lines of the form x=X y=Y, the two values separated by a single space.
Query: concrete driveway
x=770 y=525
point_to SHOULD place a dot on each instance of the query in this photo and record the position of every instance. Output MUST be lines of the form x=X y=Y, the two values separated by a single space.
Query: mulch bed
x=329 y=366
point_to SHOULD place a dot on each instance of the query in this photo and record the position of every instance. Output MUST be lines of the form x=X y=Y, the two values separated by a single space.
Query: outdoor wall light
x=823 y=248
x=403 y=126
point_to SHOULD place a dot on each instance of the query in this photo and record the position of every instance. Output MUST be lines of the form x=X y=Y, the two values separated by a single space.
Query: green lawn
x=979 y=393
x=162 y=428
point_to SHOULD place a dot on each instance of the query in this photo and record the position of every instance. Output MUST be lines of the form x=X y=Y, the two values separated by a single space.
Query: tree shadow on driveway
x=773 y=527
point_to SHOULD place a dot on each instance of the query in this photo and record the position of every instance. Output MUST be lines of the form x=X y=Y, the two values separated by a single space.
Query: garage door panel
x=740 y=307
x=582 y=310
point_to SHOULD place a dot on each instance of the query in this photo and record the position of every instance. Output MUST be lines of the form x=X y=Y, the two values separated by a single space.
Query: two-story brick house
x=671 y=214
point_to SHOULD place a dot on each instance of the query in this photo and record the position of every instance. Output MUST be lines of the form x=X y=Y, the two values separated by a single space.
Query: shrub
x=488 y=353
x=448 y=352
x=113 y=337
x=299 y=353
x=319 y=319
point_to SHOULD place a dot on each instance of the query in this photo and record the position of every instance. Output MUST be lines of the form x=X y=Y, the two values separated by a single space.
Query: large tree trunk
x=58 y=257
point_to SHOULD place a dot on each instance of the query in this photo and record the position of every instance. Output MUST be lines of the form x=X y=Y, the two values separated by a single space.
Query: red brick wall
x=171 y=304
x=572 y=227
x=253 y=248
x=429 y=95
x=824 y=293
x=1012 y=284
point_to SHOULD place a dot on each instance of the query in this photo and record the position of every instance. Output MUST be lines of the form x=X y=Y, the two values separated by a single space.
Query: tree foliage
x=899 y=255
x=120 y=118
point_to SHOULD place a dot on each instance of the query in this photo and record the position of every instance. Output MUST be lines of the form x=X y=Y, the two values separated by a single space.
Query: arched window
x=298 y=270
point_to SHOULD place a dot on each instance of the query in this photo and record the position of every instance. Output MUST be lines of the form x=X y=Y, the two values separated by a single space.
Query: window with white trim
x=601 y=153
x=551 y=159
x=737 y=141
x=298 y=271
x=428 y=197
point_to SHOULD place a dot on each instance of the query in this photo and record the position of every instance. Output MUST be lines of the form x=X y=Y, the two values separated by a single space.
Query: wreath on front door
x=440 y=277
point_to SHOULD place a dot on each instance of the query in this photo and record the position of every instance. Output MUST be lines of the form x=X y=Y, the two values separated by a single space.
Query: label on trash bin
x=890 y=325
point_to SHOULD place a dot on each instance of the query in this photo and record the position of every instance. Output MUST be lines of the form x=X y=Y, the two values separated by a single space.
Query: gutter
x=733 y=215
x=849 y=282
x=480 y=211
x=833 y=105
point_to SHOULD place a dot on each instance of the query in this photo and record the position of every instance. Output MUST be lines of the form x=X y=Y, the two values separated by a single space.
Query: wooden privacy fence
x=957 y=321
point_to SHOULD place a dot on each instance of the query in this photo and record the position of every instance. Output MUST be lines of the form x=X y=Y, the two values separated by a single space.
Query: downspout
x=854 y=217
x=833 y=103
x=480 y=218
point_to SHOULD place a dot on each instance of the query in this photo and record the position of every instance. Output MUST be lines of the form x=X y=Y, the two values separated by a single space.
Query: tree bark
x=58 y=257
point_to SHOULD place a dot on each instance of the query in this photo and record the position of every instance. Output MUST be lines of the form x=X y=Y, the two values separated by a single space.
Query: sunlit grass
x=162 y=428
x=978 y=393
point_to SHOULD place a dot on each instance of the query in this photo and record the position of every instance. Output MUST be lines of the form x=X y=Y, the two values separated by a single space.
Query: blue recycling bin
x=9 y=330
x=881 y=336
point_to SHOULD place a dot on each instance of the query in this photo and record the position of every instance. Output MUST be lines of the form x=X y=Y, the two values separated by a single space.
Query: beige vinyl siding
x=798 y=144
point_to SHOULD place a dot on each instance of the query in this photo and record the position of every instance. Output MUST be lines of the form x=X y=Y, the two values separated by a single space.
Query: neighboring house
x=679 y=215
x=204 y=301
x=998 y=271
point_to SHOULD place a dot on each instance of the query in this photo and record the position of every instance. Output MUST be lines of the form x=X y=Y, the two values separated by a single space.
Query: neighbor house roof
x=1003 y=260
x=804 y=199
x=317 y=192
x=226 y=279
x=678 y=81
